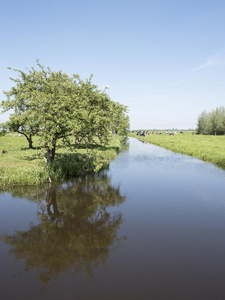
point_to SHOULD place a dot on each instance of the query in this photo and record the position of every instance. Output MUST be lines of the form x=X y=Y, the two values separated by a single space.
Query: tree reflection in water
x=75 y=234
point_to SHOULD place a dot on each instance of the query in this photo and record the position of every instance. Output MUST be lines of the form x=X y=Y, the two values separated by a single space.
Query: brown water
x=150 y=227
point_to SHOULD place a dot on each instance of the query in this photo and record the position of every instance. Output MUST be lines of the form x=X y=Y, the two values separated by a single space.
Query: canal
x=152 y=226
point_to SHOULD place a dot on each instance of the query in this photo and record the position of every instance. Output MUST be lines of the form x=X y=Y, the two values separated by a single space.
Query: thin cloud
x=217 y=59
x=210 y=61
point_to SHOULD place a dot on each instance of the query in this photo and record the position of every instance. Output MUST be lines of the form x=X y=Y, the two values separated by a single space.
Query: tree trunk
x=51 y=154
x=30 y=143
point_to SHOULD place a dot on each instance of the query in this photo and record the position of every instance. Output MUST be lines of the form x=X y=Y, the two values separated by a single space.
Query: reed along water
x=152 y=226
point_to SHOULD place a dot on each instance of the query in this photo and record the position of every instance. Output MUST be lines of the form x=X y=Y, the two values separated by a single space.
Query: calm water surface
x=150 y=227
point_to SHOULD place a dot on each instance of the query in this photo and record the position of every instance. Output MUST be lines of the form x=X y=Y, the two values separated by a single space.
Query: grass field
x=206 y=147
x=22 y=165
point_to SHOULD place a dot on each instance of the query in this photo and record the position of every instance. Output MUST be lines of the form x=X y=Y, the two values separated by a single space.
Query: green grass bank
x=206 y=147
x=24 y=166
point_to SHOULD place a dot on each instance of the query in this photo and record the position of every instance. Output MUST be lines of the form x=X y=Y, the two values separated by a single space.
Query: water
x=150 y=227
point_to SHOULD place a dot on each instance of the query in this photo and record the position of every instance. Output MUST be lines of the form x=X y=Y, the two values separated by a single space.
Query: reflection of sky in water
x=162 y=178
x=148 y=160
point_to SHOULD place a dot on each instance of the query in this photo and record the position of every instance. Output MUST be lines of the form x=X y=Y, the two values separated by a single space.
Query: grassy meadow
x=24 y=166
x=210 y=148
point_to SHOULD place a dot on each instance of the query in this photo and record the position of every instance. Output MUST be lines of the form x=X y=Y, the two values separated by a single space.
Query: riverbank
x=206 y=147
x=24 y=166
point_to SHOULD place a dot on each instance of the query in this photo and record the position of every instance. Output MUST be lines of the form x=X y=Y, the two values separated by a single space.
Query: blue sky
x=164 y=59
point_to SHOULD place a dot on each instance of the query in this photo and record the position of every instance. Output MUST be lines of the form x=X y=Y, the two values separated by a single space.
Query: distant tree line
x=54 y=105
x=212 y=122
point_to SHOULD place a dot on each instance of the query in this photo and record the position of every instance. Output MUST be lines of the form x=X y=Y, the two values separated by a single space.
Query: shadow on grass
x=74 y=155
x=103 y=148
x=90 y=147
x=60 y=157
x=27 y=148
x=64 y=157
x=31 y=157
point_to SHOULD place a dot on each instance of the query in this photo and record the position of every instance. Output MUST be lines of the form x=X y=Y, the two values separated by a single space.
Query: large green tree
x=56 y=106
